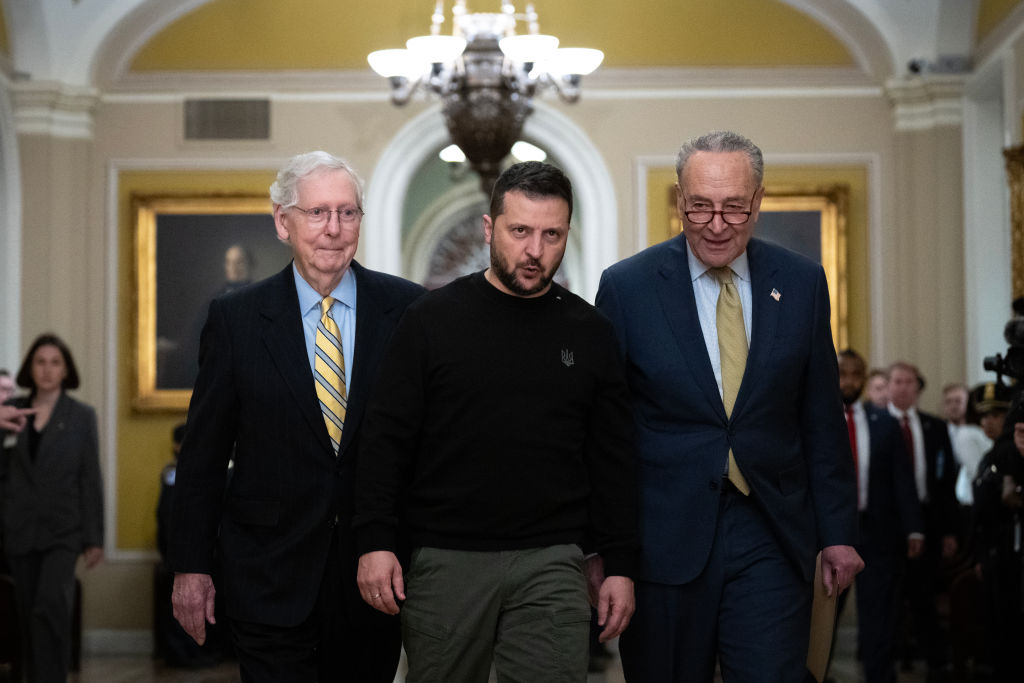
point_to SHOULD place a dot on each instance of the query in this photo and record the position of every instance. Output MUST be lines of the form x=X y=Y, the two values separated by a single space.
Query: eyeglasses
x=730 y=216
x=319 y=216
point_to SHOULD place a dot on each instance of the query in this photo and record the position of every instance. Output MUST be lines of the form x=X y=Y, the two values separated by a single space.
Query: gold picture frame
x=1014 y=158
x=181 y=246
x=816 y=219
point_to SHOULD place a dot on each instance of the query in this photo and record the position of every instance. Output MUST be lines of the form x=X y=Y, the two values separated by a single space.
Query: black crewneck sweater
x=497 y=423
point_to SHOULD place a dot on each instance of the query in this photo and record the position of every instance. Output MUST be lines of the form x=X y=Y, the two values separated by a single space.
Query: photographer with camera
x=999 y=509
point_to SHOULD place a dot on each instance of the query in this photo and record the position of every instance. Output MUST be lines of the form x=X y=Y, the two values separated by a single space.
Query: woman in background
x=52 y=505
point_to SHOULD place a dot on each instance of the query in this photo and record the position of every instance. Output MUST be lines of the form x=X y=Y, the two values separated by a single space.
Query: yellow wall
x=264 y=35
x=990 y=14
x=857 y=270
x=694 y=33
x=5 y=47
x=144 y=439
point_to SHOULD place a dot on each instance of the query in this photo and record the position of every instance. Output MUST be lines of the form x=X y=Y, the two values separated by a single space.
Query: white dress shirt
x=860 y=421
x=970 y=447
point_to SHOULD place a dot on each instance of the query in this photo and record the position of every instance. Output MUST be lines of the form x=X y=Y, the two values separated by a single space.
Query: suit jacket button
x=713 y=484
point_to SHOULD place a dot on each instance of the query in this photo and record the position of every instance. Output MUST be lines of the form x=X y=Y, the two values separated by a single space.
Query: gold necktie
x=732 y=346
x=329 y=372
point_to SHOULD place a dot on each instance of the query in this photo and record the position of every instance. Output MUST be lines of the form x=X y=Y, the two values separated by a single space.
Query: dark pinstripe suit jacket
x=255 y=401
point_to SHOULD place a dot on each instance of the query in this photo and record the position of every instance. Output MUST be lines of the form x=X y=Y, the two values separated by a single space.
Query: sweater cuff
x=622 y=563
x=376 y=537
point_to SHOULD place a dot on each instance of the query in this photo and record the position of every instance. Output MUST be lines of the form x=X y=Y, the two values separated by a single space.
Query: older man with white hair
x=285 y=368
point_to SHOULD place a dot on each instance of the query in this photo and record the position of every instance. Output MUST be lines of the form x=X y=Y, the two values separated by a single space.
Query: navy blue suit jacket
x=787 y=429
x=288 y=494
x=892 y=511
x=941 y=509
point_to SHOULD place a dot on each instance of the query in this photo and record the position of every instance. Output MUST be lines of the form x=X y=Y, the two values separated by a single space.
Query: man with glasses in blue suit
x=745 y=466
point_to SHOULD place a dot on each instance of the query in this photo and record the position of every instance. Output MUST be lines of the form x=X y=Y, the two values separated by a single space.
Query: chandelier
x=486 y=75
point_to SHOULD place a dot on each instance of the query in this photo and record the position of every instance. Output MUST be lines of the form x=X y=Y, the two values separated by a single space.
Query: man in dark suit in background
x=745 y=467
x=935 y=471
x=285 y=366
x=891 y=526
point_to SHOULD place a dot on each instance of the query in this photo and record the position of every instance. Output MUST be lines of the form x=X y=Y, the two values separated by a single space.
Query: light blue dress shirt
x=705 y=292
x=343 y=311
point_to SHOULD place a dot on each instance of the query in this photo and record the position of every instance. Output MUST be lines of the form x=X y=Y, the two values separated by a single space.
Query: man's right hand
x=380 y=580
x=192 y=598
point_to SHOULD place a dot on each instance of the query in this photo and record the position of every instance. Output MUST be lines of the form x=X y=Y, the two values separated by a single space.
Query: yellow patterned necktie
x=732 y=346
x=329 y=372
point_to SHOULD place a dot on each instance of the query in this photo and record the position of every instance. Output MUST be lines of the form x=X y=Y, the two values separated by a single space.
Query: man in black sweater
x=498 y=446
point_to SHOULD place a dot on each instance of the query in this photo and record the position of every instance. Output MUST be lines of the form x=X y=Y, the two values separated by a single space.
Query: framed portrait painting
x=1014 y=159
x=188 y=250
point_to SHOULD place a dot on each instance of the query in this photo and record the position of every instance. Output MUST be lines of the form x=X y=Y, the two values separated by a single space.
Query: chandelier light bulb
x=524 y=151
x=575 y=61
x=394 y=63
x=453 y=154
x=529 y=48
x=436 y=49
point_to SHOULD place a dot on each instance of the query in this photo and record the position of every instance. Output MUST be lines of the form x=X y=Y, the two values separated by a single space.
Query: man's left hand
x=615 y=606
x=93 y=556
x=612 y=596
x=949 y=546
x=839 y=564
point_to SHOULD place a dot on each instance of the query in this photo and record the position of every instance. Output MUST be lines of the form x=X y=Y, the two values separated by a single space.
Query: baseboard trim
x=107 y=641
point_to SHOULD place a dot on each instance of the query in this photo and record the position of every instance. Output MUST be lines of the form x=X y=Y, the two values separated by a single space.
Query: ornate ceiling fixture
x=486 y=75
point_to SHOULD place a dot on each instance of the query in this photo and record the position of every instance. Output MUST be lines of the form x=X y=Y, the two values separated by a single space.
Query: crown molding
x=606 y=84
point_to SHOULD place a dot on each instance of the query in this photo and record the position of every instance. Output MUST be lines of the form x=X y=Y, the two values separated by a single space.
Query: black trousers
x=44 y=588
x=343 y=640
x=879 y=589
x=921 y=593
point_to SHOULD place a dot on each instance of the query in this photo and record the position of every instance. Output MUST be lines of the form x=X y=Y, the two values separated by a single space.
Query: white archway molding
x=66 y=37
x=849 y=25
x=10 y=234
x=857 y=27
x=136 y=27
x=434 y=221
x=884 y=36
x=596 y=211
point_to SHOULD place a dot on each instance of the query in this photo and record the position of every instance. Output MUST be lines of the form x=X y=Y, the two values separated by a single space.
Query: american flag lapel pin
x=775 y=294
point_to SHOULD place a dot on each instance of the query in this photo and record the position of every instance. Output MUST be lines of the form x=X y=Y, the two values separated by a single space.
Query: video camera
x=1012 y=364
